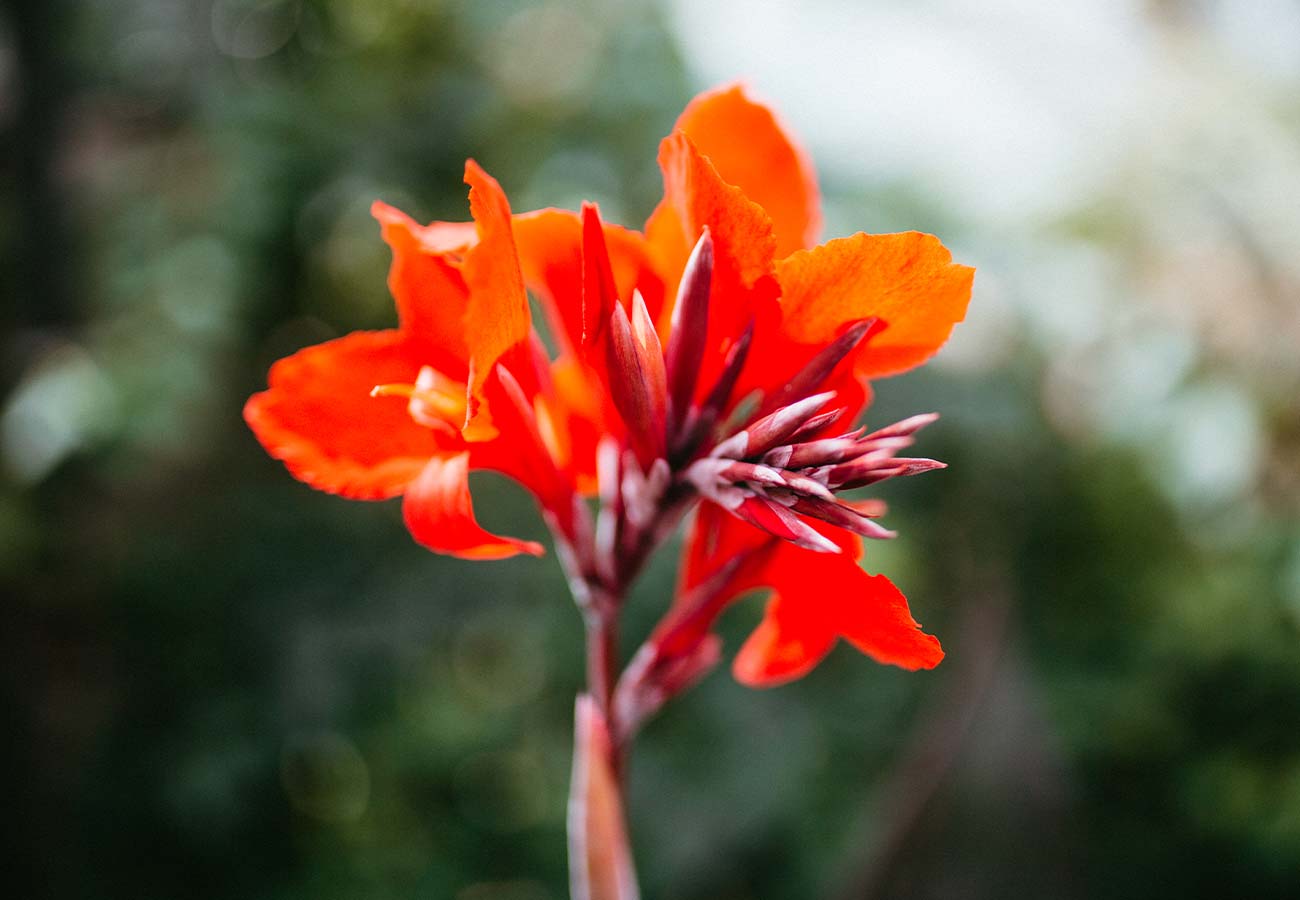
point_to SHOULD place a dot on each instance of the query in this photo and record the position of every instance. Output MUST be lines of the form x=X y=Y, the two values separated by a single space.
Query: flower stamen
x=434 y=400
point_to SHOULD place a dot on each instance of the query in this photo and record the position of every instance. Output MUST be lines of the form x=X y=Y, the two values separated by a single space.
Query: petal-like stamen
x=817 y=424
x=434 y=400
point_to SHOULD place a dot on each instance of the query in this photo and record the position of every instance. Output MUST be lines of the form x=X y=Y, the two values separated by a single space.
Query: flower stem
x=602 y=655
x=600 y=856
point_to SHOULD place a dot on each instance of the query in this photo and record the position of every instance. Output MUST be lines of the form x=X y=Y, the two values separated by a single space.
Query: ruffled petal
x=439 y=514
x=820 y=598
x=908 y=281
x=744 y=286
x=427 y=286
x=750 y=149
x=318 y=416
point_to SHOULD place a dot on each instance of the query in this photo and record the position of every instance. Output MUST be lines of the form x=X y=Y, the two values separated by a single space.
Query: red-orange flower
x=720 y=356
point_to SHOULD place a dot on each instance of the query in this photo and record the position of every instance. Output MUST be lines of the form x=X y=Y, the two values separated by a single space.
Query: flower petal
x=751 y=150
x=908 y=281
x=496 y=324
x=426 y=284
x=744 y=286
x=318 y=416
x=440 y=516
x=550 y=252
x=879 y=623
x=808 y=614
x=784 y=646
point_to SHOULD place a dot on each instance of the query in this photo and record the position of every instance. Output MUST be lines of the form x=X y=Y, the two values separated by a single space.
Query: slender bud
x=690 y=327
x=699 y=422
x=776 y=427
x=776 y=520
x=651 y=357
x=843 y=517
x=827 y=451
x=862 y=472
x=636 y=382
x=819 y=368
x=905 y=428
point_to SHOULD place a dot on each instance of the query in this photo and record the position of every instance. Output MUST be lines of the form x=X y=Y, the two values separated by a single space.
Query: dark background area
x=220 y=684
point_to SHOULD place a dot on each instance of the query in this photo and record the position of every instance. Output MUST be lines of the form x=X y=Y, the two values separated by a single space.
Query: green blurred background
x=221 y=684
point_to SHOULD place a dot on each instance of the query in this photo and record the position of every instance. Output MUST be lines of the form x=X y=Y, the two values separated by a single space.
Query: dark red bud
x=776 y=427
x=819 y=368
x=843 y=517
x=690 y=328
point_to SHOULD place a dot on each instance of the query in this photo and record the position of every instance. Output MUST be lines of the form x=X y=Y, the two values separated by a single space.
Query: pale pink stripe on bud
x=776 y=520
x=776 y=427
x=907 y=426
x=843 y=517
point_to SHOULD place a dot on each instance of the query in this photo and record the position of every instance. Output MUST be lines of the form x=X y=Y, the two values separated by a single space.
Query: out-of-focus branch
x=928 y=757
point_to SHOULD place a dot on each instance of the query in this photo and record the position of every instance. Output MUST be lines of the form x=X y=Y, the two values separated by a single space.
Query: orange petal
x=820 y=598
x=550 y=251
x=751 y=150
x=907 y=280
x=496 y=323
x=426 y=284
x=318 y=416
x=744 y=287
x=439 y=514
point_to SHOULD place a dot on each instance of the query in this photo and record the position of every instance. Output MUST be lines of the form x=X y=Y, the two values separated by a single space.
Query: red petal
x=550 y=251
x=820 y=598
x=496 y=316
x=439 y=514
x=783 y=647
x=318 y=416
x=878 y=622
x=751 y=150
x=427 y=285
x=908 y=281
x=714 y=537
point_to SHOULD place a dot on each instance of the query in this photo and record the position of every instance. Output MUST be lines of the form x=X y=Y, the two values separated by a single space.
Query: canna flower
x=713 y=364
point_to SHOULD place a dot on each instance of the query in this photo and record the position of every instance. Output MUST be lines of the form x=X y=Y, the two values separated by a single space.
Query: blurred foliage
x=225 y=685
